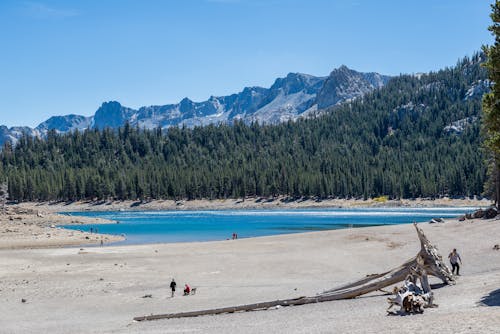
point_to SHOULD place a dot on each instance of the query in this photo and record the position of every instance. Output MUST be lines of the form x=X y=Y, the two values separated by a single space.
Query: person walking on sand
x=454 y=259
x=172 y=287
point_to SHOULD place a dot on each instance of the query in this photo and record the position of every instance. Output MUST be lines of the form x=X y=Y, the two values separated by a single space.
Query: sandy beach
x=30 y=227
x=101 y=289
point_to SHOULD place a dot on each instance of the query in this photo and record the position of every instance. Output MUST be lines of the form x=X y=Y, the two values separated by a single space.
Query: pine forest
x=418 y=136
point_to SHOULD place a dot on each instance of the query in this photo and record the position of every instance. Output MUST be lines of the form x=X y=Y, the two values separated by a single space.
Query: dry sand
x=100 y=289
x=26 y=227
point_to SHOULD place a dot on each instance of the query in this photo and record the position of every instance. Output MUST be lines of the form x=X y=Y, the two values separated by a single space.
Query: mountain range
x=296 y=95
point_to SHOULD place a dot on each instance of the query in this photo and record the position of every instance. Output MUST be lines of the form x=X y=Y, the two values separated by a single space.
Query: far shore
x=250 y=203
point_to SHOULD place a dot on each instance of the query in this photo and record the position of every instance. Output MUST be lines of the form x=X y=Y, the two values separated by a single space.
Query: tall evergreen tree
x=491 y=104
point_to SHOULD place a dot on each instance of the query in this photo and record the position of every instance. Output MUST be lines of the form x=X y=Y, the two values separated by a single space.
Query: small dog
x=408 y=303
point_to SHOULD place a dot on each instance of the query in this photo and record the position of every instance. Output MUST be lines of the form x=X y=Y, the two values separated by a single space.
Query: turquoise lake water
x=141 y=227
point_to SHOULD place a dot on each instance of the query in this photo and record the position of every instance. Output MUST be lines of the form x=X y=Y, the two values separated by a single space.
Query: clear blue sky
x=63 y=57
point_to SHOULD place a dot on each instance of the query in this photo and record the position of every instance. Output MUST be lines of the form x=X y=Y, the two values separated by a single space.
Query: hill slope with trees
x=418 y=136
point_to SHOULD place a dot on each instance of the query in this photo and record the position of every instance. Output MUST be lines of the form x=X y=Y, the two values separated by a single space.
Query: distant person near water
x=172 y=287
x=187 y=289
x=454 y=260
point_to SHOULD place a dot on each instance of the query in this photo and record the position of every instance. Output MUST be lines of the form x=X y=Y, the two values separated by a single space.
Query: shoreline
x=249 y=203
x=27 y=227
x=37 y=225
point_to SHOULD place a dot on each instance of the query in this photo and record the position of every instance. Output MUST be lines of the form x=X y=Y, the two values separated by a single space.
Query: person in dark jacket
x=172 y=287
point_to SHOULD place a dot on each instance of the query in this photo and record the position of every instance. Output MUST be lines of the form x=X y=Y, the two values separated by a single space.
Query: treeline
x=391 y=142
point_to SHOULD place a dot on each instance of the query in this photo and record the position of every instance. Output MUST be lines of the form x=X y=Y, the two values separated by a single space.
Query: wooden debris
x=427 y=262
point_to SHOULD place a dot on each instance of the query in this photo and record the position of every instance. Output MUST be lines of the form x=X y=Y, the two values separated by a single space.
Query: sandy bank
x=250 y=203
x=25 y=227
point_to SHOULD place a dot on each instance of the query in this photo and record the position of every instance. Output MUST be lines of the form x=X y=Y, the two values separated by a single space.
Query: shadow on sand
x=491 y=299
x=438 y=285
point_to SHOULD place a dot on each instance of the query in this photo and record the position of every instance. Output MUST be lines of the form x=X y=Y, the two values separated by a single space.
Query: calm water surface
x=141 y=227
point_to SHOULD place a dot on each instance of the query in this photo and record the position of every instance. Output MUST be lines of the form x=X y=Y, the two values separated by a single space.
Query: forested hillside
x=416 y=137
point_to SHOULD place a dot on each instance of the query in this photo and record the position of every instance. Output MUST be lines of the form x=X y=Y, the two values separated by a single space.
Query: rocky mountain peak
x=290 y=97
x=344 y=84
x=111 y=114
x=65 y=123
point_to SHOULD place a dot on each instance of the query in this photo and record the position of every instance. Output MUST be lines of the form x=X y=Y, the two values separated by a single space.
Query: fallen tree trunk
x=427 y=262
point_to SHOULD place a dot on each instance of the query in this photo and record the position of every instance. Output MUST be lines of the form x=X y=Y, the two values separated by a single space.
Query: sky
x=68 y=57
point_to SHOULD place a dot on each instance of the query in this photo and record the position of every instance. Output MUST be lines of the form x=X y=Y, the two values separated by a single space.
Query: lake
x=141 y=227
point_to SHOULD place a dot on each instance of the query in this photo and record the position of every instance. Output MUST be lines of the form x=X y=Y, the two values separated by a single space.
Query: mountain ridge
x=288 y=98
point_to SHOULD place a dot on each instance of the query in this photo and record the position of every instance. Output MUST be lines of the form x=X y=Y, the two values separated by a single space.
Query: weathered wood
x=387 y=275
x=231 y=309
x=428 y=259
x=432 y=261
x=427 y=262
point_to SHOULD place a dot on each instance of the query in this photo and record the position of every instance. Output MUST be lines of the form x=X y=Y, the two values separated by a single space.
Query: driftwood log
x=427 y=262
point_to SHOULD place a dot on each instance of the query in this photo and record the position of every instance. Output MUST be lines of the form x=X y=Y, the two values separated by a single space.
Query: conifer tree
x=393 y=142
x=491 y=103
